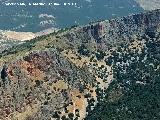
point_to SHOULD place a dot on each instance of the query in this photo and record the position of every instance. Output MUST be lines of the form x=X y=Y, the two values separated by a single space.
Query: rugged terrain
x=110 y=66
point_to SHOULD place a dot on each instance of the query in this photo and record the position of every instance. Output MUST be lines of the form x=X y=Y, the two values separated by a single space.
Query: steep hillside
x=76 y=72
x=41 y=84
x=8 y=39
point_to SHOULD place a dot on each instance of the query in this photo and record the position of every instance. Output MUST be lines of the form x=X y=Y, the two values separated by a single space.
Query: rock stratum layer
x=65 y=75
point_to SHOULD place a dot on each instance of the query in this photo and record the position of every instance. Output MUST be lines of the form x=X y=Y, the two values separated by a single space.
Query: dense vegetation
x=135 y=92
x=82 y=50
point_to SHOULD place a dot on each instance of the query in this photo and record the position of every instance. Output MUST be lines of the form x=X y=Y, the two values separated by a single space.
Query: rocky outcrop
x=47 y=84
x=116 y=31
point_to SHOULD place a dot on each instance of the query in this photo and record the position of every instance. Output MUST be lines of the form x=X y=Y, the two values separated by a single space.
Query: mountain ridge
x=73 y=68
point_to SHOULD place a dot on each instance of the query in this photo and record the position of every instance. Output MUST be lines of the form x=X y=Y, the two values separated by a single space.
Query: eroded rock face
x=114 y=32
x=45 y=83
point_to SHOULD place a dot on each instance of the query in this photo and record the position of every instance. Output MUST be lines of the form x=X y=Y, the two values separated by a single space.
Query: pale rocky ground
x=22 y=36
x=46 y=31
x=149 y=4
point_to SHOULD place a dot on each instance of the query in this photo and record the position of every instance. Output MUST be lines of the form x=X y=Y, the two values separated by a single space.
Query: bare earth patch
x=22 y=36
x=149 y=4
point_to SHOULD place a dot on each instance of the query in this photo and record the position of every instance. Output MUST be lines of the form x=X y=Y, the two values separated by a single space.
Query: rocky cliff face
x=116 y=31
x=65 y=75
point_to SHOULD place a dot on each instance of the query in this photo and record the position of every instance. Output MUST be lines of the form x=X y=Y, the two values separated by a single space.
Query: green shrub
x=82 y=50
